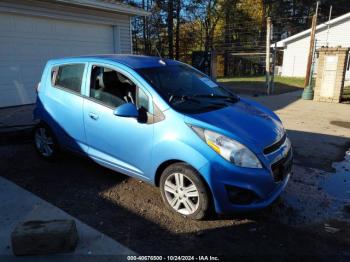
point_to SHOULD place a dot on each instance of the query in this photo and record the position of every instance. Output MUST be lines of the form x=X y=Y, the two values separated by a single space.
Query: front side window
x=111 y=88
x=69 y=77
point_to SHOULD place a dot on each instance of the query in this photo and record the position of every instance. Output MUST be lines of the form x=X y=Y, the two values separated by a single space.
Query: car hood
x=247 y=122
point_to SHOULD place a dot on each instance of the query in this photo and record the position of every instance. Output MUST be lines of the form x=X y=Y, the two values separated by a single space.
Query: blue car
x=168 y=124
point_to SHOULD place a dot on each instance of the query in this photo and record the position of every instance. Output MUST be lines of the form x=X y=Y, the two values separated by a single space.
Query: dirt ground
x=132 y=213
x=295 y=228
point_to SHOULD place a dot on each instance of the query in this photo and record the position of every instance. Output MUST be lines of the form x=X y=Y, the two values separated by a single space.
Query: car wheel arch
x=162 y=167
x=168 y=163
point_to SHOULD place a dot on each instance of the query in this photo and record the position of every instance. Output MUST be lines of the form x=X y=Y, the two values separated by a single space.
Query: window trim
x=137 y=97
x=64 y=88
x=121 y=71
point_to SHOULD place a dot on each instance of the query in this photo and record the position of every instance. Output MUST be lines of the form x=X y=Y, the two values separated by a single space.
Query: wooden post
x=311 y=51
x=308 y=93
x=213 y=65
x=268 y=46
x=272 y=85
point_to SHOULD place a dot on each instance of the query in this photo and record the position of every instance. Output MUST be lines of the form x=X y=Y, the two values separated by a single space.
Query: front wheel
x=184 y=192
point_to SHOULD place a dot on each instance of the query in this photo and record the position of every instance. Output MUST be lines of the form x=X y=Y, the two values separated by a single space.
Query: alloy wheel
x=44 y=142
x=181 y=194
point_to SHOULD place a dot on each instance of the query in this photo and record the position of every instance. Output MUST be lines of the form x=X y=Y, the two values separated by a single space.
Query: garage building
x=33 y=31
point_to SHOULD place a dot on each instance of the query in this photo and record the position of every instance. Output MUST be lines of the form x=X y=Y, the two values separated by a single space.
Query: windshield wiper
x=207 y=103
x=231 y=98
x=204 y=100
x=183 y=98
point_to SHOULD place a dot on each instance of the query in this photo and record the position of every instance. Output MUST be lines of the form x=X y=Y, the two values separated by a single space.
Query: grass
x=293 y=81
x=346 y=93
x=256 y=84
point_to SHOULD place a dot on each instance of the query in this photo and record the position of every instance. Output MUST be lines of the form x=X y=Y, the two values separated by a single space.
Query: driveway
x=320 y=132
x=132 y=213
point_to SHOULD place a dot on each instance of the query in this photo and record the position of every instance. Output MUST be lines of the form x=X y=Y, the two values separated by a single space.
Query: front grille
x=282 y=168
x=275 y=146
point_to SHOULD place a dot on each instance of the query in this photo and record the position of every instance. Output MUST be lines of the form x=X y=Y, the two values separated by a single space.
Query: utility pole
x=268 y=54
x=274 y=58
x=311 y=50
x=308 y=93
x=329 y=24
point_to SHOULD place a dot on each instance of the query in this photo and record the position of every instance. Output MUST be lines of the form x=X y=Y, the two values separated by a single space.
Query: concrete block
x=44 y=237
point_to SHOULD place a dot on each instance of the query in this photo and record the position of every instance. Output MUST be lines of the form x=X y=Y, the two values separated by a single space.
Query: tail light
x=37 y=88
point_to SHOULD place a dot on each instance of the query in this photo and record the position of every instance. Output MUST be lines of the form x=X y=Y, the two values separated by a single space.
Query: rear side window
x=68 y=77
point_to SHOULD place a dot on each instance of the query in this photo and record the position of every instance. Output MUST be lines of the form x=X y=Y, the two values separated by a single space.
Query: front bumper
x=237 y=189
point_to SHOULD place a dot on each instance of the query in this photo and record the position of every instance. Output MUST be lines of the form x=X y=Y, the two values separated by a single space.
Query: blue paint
x=126 y=110
x=138 y=148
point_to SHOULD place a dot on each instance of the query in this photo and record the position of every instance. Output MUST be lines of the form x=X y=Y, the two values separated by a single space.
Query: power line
x=291 y=18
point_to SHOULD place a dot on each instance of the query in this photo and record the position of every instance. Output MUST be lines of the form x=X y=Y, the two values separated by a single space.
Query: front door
x=121 y=143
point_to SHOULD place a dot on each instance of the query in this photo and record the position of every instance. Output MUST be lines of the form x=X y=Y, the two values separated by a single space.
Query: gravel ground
x=132 y=213
x=320 y=132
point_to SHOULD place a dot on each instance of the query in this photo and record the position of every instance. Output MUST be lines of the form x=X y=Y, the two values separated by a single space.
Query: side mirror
x=126 y=110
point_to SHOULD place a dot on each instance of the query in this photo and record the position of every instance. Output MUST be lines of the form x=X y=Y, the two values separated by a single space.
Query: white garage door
x=26 y=43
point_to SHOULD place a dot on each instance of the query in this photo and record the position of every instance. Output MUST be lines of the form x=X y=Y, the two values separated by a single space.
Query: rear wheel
x=184 y=192
x=45 y=142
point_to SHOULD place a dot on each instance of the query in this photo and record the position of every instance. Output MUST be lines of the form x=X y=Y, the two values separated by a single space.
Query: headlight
x=228 y=148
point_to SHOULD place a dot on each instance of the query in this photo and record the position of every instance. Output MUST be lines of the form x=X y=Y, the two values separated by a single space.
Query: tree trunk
x=294 y=8
x=177 y=43
x=135 y=45
x=228 y=36
x=144 y=29
x=171 y=28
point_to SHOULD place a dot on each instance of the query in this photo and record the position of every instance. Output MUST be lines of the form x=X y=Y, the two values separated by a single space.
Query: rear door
x=63 y=104
x=123 y=144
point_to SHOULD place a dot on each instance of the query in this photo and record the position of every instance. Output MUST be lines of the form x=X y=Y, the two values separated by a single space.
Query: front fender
x=178 y=151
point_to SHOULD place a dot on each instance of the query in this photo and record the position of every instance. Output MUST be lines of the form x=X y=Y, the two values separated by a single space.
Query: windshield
x=186 y=89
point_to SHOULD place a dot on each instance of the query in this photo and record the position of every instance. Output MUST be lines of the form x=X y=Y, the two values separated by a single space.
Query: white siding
x=296 y=53
x=338 y=35
x=28 y=41
x=295 y=58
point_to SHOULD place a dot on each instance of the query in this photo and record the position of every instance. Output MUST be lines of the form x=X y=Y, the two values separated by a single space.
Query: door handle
x=93 y=116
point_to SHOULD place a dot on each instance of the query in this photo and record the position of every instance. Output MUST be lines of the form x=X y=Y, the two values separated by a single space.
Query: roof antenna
x=161 y=61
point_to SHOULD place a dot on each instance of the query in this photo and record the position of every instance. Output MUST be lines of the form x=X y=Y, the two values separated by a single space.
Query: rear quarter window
x=68 y=77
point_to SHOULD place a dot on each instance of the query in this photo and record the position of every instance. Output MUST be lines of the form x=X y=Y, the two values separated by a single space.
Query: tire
x=45 y=142
x=189 y=198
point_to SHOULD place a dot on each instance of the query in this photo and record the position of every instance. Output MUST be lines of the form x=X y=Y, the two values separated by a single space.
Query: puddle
x=338 y=184
x=314 y=196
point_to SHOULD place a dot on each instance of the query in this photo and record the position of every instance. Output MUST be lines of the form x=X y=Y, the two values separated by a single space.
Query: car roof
x=132 y=61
